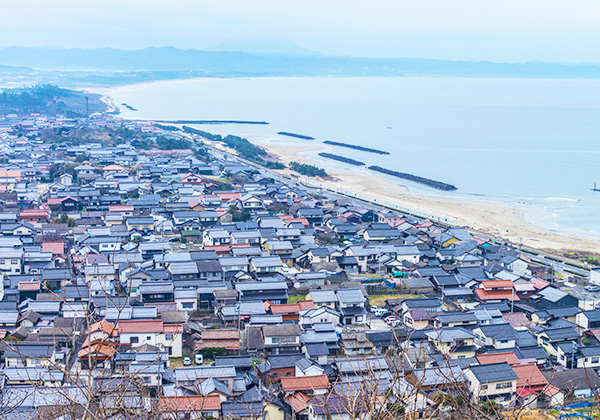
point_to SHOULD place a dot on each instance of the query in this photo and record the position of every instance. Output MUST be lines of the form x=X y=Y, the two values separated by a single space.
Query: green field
x=379 y=300
x=296 y=299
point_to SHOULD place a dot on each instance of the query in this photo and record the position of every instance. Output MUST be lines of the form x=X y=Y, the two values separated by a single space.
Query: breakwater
x=129 y=107
x=425 y=181
x=298 y=136
x=213 y=122
x=355 y=147
x=342 y=159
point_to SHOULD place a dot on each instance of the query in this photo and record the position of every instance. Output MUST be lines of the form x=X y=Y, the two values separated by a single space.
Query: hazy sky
x=497 y=30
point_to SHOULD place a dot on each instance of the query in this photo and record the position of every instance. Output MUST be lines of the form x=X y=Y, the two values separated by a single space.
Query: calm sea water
x=524 y=142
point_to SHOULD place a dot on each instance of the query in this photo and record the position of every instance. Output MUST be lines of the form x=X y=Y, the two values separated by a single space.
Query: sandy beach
x=491 y=219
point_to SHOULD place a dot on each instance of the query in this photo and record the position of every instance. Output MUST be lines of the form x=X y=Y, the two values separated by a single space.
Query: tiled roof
x=186 y=403
x=304 y=383
x=529 y=376
x=508 y=357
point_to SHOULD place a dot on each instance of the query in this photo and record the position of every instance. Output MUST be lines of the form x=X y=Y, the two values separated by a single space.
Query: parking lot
x=377 y=323
x=588 y=300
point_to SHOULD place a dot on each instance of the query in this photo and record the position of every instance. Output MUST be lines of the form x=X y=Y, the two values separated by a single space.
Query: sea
x=529 y=143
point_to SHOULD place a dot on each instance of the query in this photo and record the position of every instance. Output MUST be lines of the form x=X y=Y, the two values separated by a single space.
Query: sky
x=494 y=30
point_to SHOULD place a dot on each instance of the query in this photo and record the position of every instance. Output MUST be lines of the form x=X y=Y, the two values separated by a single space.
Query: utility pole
x=87 y=107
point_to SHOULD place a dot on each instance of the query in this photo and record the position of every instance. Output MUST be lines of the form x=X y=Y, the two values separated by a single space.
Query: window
x=484 y=387
x=148 y=338
x=288 y=340
x=594 y=359
x=14 y=261
x=188 y=305
x=147 y=379
x=504 y=385
x=1 y=261
x=169 y=336
x=134 y=340
x=275 y=340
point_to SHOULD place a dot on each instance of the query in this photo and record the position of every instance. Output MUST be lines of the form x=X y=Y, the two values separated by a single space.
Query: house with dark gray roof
x=494 y=381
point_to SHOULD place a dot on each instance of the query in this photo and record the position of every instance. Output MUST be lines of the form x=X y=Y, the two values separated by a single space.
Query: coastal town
x=152 y=272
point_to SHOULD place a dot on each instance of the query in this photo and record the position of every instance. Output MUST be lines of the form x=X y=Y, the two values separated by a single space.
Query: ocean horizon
x=528 y=143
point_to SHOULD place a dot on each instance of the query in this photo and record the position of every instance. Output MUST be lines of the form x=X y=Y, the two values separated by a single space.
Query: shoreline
x=491 y=219
x=486 y=218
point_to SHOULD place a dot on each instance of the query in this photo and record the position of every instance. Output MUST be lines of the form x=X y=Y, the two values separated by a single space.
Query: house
x=494 y=381
x=322 y=297
x=499 y=336
x=314 y=216
x=456 y=343
x=279 y=339
x=496 y=290
x=310 y=385
x=36 y=376
x=189 y=377
x=193 y=407
x=29 y=355
x=273 y=291
x=588 y=320
x=309 y=317
x=306 y=280
x=418 y=285
x=590 y=357
x=456 y=319
x=351 y=304
x=577 y=383
x=552 y=338
x=266 y=265
x=153 y=332
x=140 y=223
x=356 y=343
x=11 y=261
x=280 y=366
x=282 y=249
x=186 y=299
x=550 y=298
x=417 y=319
x=34 y=215
x=156 y=291
x=225 y=338
x=437 y=378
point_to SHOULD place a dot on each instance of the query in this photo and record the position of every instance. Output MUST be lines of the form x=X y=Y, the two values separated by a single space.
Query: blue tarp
x=564 y=416
x=579 y=405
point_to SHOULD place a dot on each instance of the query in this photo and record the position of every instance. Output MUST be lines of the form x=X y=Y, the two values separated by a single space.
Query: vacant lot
x=379 y=300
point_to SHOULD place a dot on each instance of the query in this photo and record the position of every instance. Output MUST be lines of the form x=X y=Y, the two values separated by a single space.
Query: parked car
x=199 y=359
x=389 y=319
x=187 y=361
x=591 y=288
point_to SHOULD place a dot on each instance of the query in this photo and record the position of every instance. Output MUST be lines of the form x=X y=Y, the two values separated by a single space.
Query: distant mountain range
x=106 y=66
